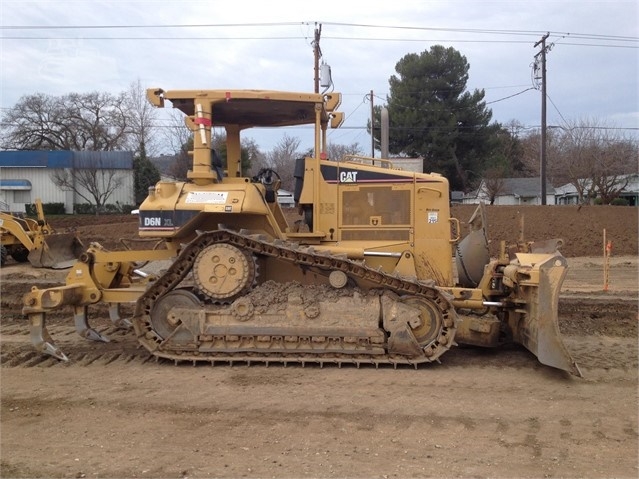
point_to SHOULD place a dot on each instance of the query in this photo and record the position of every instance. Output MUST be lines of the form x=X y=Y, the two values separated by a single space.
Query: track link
x=260 y=346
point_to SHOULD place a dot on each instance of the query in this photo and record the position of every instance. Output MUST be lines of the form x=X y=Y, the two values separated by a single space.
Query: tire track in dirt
x=600 y=333
x=590 y=352
x=293 y=422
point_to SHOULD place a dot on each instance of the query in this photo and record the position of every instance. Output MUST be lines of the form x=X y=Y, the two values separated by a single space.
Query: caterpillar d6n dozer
x=27 y=239
x=367 y=276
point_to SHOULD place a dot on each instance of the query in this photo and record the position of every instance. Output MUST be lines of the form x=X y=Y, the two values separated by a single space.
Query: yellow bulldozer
x=373 y=273
x=34 y=240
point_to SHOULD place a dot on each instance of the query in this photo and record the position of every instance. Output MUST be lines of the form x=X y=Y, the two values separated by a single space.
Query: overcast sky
x=592 y=62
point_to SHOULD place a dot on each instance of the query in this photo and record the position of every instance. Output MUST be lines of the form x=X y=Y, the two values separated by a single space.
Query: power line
x=309 y=23
x=137 y=27
x=397 y=128
x=327 y=37
x=490 y=31
x=509 y=96
x=153 y=38
x=553 y=104
x=474 y=31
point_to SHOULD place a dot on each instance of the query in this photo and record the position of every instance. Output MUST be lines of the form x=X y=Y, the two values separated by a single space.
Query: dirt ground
x=112 y=412
x=581 y=228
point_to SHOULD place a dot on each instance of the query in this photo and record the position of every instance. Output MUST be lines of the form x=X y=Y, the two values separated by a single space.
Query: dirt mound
x=581 y=228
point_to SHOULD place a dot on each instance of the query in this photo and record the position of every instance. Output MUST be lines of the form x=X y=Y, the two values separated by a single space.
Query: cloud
x=496 y=37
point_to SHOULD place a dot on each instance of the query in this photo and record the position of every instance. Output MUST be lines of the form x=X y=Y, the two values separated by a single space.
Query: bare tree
x=530 y=145
x=531 y=156
x=179 y=139
x=589 y=154
x=282 y=160
x=337 y=152
x=614 y=159
x=181 y=165
x=91 y=121
x=573 y=161
x=494 y=183
x=93 y=181
x=36 y=122
x=283 y=156
x=175 y=133
x=142 y=118
x=595 y=158
x=183 y=162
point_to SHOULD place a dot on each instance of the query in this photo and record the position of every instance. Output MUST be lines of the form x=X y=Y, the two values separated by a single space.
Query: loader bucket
x=57 y=251
x=538 y=328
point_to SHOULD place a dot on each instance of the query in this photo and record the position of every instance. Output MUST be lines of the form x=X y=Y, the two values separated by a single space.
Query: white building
x=408 y=164
x=511 y=191
x=567 y=194
x=26 y=175
x=285 y=198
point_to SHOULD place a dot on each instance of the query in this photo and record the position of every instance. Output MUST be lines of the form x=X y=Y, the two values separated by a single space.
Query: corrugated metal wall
x=37 y=167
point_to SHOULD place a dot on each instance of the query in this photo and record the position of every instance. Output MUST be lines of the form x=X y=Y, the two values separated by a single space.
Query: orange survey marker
x=606 y=266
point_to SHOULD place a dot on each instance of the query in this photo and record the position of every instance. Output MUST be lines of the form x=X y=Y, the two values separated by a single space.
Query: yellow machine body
x=373 y=272
x=28 y=239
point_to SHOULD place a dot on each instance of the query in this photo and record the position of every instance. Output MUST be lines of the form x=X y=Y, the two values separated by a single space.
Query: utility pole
x=542 y=172
x=372 y=127
x=317 y=53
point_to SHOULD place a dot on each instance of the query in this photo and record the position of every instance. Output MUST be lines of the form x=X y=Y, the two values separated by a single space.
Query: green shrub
x=620 y=202
x=108 y=209
x=53 y=209
x=84 y=209
x=126 y=209
x=48 y=209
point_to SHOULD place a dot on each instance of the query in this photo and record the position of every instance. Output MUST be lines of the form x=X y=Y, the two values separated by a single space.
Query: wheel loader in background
x=27 y=239
x=374 y=273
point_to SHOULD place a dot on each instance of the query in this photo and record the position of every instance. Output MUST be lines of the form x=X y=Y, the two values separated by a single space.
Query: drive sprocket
x=223 y=272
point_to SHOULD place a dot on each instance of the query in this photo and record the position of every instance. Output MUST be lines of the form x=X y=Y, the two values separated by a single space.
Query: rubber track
x=304 y=257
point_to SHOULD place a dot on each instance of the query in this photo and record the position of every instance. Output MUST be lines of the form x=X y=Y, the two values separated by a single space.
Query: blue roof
x=67 y=159
x=15 y=185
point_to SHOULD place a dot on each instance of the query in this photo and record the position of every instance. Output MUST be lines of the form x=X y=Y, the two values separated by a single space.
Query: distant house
x=567 y=194
x=285 y=198
x=26 y=175
x=408 y=164
x=457 y=197
x=511 y=191
x=404 y=163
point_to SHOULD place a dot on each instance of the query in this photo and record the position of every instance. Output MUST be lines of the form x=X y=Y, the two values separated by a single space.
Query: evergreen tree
x=145 y=174
x=433 y=116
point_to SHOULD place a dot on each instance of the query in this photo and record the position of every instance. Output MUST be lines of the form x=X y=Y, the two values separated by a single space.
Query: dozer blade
x=57 y=251
x=538 y=330
x=471 y=253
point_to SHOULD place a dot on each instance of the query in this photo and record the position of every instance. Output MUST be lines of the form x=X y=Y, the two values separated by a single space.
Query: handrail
x=368 y=159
